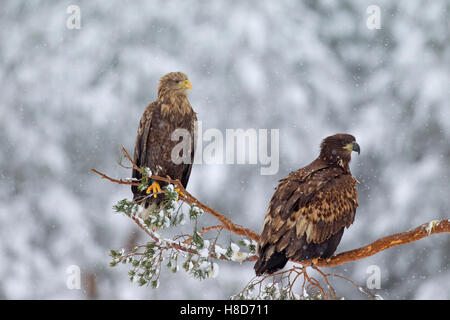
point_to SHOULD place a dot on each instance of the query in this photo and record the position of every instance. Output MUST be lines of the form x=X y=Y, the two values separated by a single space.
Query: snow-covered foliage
x=197 y=252
x=70 y=97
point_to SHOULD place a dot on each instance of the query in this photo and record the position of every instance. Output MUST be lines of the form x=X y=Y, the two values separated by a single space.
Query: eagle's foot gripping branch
x=154 y=188
x=180 y=193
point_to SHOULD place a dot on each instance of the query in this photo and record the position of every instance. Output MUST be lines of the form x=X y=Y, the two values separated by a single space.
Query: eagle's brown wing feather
x=140 y=148
x=308 y=209
x=188 y=167
x=154 y=145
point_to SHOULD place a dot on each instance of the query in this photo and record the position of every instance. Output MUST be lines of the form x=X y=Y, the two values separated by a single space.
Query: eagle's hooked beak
x=353 y=147
x=356 y=148
x=186 y=84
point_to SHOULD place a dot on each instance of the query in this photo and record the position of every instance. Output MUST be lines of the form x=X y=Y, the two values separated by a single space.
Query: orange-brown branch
x=118 y=181
x=226 y=222
x=422 y=231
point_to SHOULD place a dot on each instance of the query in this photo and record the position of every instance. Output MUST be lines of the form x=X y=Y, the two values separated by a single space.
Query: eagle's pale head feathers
x=174 y=84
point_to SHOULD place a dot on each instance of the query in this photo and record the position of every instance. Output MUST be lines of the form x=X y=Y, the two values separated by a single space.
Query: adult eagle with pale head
x=155 y=141
x=310 y=208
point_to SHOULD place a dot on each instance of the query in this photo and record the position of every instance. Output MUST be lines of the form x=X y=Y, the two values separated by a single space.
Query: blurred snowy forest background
x=70 y=98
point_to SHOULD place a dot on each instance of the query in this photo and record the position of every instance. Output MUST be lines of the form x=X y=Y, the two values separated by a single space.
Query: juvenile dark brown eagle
x=155 y=141
x=310 y=208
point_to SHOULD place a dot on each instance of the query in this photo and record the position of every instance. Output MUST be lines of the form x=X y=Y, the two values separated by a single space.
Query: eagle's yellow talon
x=155 y=188
x=179 y=192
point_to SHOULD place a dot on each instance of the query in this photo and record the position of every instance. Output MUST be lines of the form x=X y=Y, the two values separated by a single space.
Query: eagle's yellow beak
x=186 y=84
x=353 y=146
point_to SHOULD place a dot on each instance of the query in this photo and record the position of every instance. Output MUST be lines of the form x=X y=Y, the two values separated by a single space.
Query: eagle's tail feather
x=270 y=264
x=271 y=261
